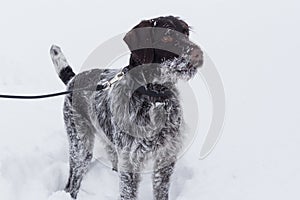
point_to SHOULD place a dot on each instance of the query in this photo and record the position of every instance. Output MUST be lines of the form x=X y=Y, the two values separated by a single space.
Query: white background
x=255 y=46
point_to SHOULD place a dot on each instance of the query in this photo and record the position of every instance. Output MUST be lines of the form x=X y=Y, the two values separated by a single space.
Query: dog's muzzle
x=196 y=57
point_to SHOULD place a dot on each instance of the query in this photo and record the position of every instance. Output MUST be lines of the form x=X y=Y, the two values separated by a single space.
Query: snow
x=255 y=46
x=60 y=196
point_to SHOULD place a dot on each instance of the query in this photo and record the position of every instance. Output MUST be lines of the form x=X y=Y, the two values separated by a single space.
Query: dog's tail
x=60 y=62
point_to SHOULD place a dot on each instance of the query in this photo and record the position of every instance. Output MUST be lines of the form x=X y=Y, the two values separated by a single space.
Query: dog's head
x=164 y=40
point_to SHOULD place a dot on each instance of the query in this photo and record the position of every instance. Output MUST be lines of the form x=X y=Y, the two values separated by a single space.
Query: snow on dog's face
x=164 y=40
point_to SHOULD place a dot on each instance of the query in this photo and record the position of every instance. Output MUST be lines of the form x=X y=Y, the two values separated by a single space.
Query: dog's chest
x=144 y=118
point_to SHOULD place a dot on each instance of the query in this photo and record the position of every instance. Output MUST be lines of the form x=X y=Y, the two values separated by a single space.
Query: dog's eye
x=167 y=38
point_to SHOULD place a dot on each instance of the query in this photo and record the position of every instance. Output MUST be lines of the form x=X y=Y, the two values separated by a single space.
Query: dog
x=140 y=116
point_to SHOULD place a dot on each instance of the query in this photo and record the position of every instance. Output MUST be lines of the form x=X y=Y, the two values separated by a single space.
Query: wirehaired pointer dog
x=139 y=117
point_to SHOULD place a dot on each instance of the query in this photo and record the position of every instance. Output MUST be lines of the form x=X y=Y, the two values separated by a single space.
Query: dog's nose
x=196 y=56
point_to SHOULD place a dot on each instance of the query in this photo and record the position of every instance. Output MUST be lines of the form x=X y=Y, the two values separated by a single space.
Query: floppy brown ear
x=139 y=41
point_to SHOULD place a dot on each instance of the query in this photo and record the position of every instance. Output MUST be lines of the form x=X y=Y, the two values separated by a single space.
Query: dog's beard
x=178 y=68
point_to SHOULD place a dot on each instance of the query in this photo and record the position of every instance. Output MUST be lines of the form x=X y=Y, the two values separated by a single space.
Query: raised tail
x=61 y=64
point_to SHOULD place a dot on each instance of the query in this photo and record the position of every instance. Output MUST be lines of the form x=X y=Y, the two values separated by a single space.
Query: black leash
x=34 y=97
x=103 y=86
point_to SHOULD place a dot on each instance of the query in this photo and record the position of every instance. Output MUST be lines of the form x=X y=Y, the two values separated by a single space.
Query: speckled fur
x=130 y=138
x=133 y=126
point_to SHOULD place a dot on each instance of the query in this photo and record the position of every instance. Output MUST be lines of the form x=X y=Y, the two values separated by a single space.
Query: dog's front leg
x=129 y=185
x=163 y=169
x=129 y=174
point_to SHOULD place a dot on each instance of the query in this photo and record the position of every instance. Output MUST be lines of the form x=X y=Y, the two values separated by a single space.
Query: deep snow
x=255 y=45
x=34 y=156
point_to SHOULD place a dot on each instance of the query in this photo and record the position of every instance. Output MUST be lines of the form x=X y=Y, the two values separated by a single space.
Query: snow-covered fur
x=138 y=118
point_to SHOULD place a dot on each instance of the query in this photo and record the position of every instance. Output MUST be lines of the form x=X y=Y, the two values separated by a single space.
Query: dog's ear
x=139 y=41
x=185 y=27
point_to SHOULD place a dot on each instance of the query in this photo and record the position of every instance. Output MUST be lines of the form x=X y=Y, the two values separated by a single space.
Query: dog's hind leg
x=81 y=154
x=113 y=156
x=81 y=143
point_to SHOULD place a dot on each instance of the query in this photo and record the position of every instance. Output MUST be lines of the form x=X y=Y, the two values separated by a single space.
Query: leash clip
x=117 y=77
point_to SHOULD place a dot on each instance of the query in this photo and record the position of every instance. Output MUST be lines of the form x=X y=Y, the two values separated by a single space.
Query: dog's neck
x=155 y=73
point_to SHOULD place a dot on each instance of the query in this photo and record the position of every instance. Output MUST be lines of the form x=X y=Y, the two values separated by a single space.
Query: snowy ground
x=255 y=46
